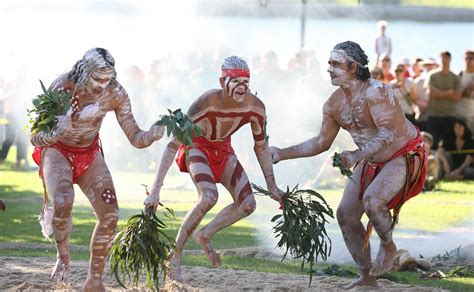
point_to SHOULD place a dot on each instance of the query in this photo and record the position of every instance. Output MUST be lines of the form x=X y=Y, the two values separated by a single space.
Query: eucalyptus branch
x=301 y=228
x=46 y=107
x=142 y=247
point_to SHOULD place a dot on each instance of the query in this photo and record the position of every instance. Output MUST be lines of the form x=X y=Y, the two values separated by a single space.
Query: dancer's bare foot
x=363 y=281
x=174 y=269
x=60 y=271
x=212 y=255
x=385 y=257
x=91 y=285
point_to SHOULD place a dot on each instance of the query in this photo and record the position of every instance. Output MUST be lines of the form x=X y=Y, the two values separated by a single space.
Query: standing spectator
x=383 y=43
x=465 y=107
x=444 y=89
x=420 y=93
x=414 y=70
x=385 y=64
x=15 y=111
x=403 y=90
x=459 y=162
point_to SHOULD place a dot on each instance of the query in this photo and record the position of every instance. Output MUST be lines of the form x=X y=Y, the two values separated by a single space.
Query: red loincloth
x=79 y=158
x=217 y=154
x=410 y=188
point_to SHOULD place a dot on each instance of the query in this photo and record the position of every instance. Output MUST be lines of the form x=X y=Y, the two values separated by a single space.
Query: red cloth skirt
x=411 y=188
x=217 y=154
x=80 y=158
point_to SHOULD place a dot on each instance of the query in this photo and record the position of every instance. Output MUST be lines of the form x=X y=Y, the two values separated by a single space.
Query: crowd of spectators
x=438 y=101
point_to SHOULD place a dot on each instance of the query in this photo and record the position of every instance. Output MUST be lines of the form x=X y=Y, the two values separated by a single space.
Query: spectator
x=433 y=162
x=383 y=43
x=414 y=70
x=403 y=90
x=420 y=93
x=455 y=152
x=465 y=107
x=376 y=73
x=385 y=64
x=444 y=89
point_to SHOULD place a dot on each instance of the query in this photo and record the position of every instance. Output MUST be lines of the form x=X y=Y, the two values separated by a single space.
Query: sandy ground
x=32 y=274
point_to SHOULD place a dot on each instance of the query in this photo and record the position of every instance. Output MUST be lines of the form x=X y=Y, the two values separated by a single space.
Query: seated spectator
x=433 y=162
x=457 y=152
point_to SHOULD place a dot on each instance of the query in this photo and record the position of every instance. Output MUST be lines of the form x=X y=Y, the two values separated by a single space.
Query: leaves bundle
x=302 y=226
x=179 y=124
x=336 y=162
x=46 y=107
x=142 y=247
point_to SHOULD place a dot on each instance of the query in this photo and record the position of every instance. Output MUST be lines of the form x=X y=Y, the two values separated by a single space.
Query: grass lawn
x=450 y=205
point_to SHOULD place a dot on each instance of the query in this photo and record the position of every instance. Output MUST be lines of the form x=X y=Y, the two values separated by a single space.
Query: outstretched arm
x=165 y=164
x=262 y=151
x=316 y=145
x=135 y=135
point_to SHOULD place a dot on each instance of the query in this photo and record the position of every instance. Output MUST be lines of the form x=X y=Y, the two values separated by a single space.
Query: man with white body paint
x=219 y=113
x=72 y=154
x=389 y=161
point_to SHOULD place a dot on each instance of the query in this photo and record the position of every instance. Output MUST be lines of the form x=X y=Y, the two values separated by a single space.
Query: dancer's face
x=99 y=81
x=338 y=68
x=236 y=88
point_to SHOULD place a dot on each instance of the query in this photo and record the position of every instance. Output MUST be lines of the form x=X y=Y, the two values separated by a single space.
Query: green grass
x=448 y=206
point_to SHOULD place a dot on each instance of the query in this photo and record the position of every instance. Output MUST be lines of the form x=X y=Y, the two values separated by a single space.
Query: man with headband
x=389 y=160
x=219 y=113
x=72 y=154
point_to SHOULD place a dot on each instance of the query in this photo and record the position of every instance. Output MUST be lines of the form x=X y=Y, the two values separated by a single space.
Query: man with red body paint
x=218 y=113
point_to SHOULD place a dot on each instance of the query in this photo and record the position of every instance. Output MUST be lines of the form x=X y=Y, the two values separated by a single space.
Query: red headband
x=233 y=73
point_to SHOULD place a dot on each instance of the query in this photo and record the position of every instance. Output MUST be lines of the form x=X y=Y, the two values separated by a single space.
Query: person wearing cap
x=465 y=107
x=389 y=162
x=403 y=90
x=444 y=90
x=219 y=113
x=385 y=63
x=421 y=97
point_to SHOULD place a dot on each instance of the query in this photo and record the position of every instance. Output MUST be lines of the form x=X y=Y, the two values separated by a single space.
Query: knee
x=248 y=205
x=109 y=220
x=208 y=199
x=342 y=216
x=371 y=203
x=63 y=203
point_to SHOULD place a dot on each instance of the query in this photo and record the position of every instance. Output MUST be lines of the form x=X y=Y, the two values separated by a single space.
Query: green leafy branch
x=142 y=247
x=301 y=228
x=182 y=128
x=46 y=107
x=336 y=162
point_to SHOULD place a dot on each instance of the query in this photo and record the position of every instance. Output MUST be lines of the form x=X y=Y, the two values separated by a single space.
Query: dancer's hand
x=157 y=131
x=152 y=200
x=64 y=129
x=348 y=159
x=274 y=151
x=276 y=194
